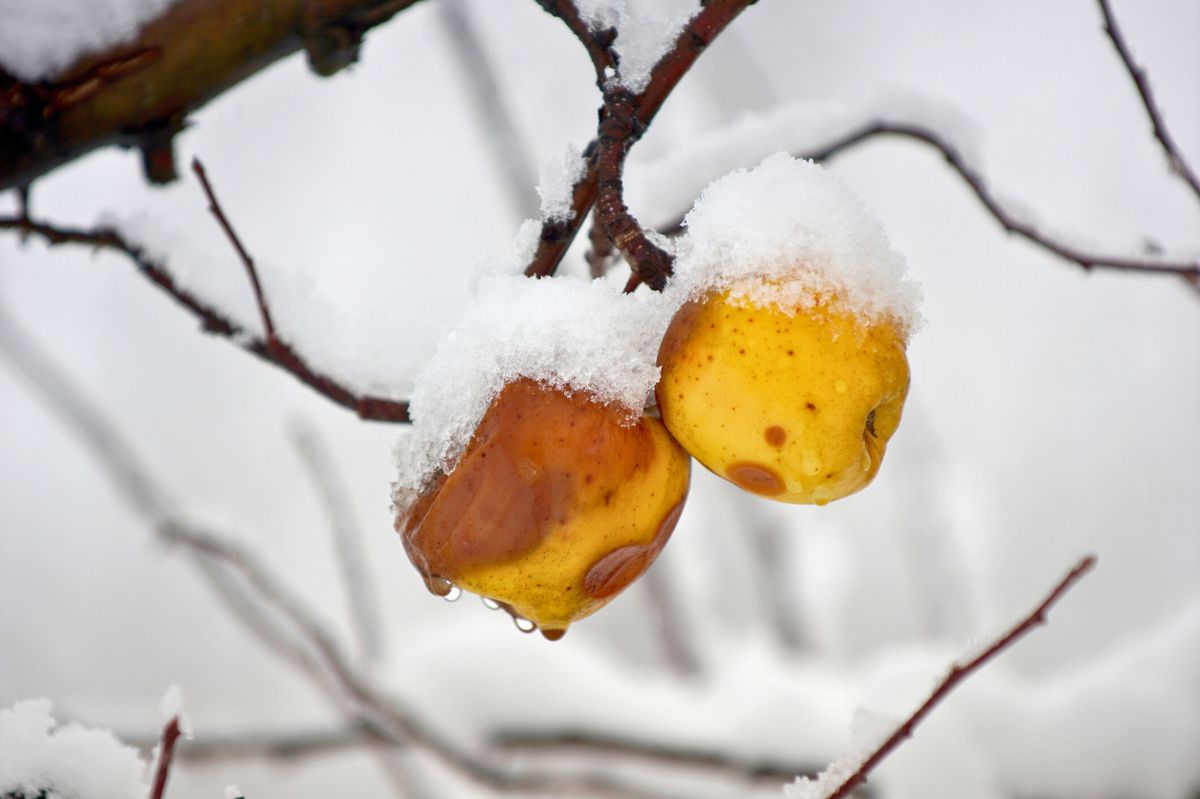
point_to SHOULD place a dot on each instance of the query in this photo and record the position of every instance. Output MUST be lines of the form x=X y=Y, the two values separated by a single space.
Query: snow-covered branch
x=556 y=235
x=86 y=87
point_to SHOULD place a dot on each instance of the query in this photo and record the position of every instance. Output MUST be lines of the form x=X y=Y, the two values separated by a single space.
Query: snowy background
x=1051 y=413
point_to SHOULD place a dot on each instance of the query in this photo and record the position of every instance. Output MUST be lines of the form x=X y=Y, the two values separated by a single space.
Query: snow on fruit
x=531 y=475
x=784 y=369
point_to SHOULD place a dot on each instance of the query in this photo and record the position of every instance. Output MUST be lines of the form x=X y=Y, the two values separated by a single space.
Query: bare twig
x=959 y=672
x=664 y=754
x=705 y=26
x=170 y=735
x=347 y=537
x=1178 y=163
x=501 y=133
x=212 y=319
x=619 y=127
x=215 y=209
x=773 y=580
x=598 y=43
x=678 y=648
x=1010 y=221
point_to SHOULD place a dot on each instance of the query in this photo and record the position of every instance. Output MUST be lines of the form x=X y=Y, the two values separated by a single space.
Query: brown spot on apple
x=775 y=435
x=756 y=478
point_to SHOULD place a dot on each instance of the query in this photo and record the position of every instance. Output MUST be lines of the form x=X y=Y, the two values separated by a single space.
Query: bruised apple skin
x=797 y=406
x=556 y=505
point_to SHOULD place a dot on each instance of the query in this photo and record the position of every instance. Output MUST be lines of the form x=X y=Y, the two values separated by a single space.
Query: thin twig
x=597 y=42
x=214 y=207
x=1178 y=163
x=959 y=672
x=678 y=648
x=347 y=537
x=502 y=135
x=664 y=754
x=170 y=735
x=705 y=26
x=1049 y=242
x=213 y=320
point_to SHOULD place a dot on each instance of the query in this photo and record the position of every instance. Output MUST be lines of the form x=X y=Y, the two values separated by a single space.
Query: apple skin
x=557 y=504
x=794 y=405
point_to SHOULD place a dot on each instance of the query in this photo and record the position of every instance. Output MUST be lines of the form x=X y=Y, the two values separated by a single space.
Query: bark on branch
x=139 y=94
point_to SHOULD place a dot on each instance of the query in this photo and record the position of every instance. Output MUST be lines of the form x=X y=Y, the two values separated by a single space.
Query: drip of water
x=439 y=586
x=452 y=594
x=490 y=603
x=524 y=624
x=553 y=635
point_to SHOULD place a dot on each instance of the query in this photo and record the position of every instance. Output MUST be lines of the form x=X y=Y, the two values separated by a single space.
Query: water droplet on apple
x=490 y=603
x=523 y=624
x=452 y=594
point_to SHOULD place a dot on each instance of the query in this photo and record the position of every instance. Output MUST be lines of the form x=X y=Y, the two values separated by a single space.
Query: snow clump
x=556 y=184
x=39 y=40
x=787 y=230
x=67 y=762
x=569 y=333
x=642 y=38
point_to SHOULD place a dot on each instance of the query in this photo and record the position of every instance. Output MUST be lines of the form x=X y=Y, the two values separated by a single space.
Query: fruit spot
x=810 y=406
x=871 y=423
x=756 y=478
x=611 y=573
x=775 y=435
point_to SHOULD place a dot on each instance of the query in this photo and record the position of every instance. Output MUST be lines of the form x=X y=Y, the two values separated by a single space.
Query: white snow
x=642 y=37
x=556 y=180
x=171 y=707
x=39 y=40
x=786 y=229
x=68 y=762
x=662 y=188
x=868 y=730
x=566 y=332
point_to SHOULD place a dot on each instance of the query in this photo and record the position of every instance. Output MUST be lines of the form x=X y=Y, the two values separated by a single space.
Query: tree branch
x=1026 y=229
x=347 y=538
x=1010 y=221
x=598 y=43
x=1179 y=165
x=215 y=209
x=213 y=320
x=958 y=672
x=618 y=129
x=509 y=153
x=170 y=735
x=140 y=93
x=556 y=237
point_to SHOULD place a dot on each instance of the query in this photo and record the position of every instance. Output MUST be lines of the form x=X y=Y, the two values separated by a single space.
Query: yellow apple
x=792 y=400
x=557 y=504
